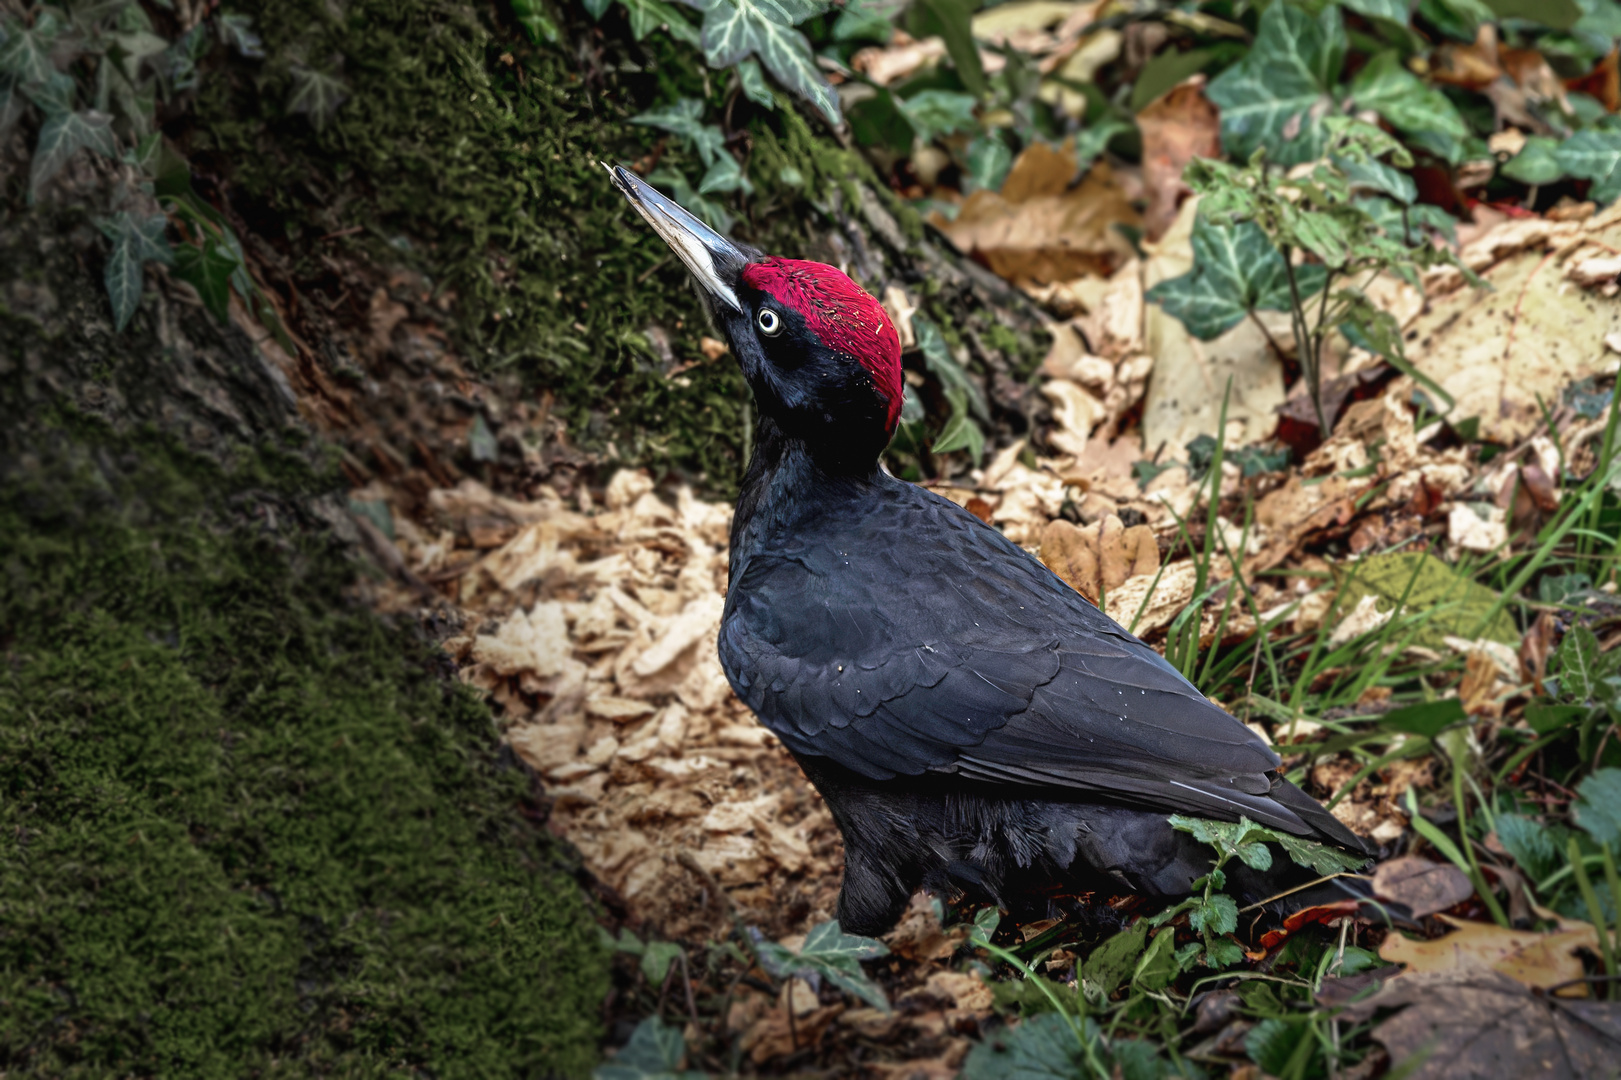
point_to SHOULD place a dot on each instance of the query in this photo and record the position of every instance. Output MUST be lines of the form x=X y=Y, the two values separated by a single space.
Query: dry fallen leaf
x=1535 y=959
x=1424 y=887
x=1039 y=230
x=1482 y=1025
x=1101 y=555
x=1533 y=334
x=1177 y=127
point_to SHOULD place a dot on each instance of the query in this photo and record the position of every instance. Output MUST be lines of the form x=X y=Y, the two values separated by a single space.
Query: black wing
x=906 y=636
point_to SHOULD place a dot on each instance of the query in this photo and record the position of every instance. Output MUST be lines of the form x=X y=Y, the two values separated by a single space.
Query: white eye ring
x=770 y=323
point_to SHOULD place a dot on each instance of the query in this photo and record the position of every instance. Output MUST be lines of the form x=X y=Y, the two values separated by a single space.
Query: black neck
x=788 y=480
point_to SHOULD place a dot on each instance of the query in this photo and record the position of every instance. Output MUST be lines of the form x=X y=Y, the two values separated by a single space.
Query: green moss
x=473 y=156
x=247 y=828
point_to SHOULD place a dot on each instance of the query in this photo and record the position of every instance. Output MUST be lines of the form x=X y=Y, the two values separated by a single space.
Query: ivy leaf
x=1536 y=163
x=531 y=15
x=208 y=269
x=684 y=120
x=1407 y=101
x=1393 y=10
x=61 y=137
x=831 y=954
x=26 y=50
x=1236 y=270
x=1596 y=156
x=989 y=160
x=725 y=175
x=649 y=15
x=1092 y=141
x=654 y=1052
x=657 y=956
x=1375 y=175
x=316 y=94
x=1557 y=14
x=236 y=32
x=859 y=22
x=136 y=242
x=1598 y=810
x=1459 y=19
x=943 y=365
x=735 y=29
x=1277 y=96
x=752 y=79
x=935 y=113
x=711 y=212
x=960 y=432
x=54 y=95
x=11 y=106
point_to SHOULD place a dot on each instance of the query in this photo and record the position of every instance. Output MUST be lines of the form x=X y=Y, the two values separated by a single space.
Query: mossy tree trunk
x=247 y=824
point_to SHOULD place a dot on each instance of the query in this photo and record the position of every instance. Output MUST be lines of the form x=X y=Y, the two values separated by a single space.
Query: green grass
x=246 y=827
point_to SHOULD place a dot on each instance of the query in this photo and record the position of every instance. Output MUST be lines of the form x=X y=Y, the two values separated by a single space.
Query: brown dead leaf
x=1537 y=646
x=1037 y=230
x=903 y=57
x=1603 y=82
x=1482 y=1025
x=1472 y=66
x=1478 y=691
x=1164 y=603
x=1177 y=127
x=1104 y=554
x=775 y=1035
x=1534 y=959
x=1424 y=887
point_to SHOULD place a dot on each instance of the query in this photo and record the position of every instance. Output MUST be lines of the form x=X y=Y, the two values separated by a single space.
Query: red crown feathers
x=841 y=313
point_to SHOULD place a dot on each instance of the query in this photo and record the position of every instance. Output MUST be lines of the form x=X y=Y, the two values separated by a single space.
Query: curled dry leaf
x=1097 y=559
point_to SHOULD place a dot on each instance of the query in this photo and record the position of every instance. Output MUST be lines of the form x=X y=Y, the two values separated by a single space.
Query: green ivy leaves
x=316 y=94
x=831 y=954
x=684 y=120
x=136 y=242
x=1279 y=97
x=1596 y=156
x=1236 y=270
x=736 y=29
x=654 y=1052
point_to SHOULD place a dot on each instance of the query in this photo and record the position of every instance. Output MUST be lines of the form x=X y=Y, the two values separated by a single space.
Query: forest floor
x=1367 y=643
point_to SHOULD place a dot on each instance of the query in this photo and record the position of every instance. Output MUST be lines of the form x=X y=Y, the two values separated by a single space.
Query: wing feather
x=937 y=645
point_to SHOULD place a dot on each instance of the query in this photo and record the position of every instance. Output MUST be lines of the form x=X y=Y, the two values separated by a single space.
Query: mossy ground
x=472 y=156
x=247 y=828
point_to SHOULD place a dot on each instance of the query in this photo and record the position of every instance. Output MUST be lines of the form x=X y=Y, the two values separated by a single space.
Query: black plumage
x=972 y=722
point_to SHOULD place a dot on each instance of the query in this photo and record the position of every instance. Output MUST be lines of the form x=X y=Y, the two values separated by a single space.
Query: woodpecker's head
x=820 y=353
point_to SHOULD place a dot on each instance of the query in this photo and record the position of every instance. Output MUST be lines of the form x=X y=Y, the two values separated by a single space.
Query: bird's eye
x=770 y=323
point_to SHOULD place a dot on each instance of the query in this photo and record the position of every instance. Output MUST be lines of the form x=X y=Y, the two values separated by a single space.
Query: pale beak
x=713 y=259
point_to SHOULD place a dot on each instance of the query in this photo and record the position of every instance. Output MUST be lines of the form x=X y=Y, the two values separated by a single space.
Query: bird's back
x=892 y=632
